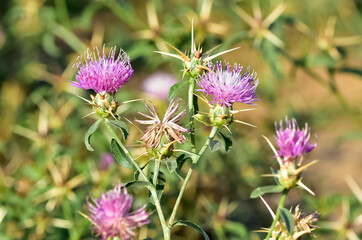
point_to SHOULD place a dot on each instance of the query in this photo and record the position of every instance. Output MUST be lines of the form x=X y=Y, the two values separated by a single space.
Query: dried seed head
x=161 y=133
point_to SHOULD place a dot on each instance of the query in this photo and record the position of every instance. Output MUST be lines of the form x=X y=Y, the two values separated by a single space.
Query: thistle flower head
x=168 y=127
x=226 y=87
x=102 y=73
x=292 y=141
x=111 y=215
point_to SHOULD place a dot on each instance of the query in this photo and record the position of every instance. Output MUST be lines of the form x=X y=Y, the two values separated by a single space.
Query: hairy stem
x=280 y=205
x=189 y=173
x=151 y=187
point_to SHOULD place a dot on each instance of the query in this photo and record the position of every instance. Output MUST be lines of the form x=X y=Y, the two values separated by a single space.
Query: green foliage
x=288 y=219
x=191 y=225
x=89 y=133
x=119 y=155
x=260 y=191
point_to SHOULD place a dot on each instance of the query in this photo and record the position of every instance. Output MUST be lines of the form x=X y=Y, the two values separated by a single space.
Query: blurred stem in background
x=62 y=13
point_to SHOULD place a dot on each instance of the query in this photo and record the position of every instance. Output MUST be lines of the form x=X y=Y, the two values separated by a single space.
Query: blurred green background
x=308 y=58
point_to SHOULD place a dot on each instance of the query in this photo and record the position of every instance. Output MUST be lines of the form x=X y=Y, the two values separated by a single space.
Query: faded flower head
x=167 y=128
x=292 y=141
x=304 y=222
x=159 y=84
x=226 y=87
x=102 y=73
x=111 y=215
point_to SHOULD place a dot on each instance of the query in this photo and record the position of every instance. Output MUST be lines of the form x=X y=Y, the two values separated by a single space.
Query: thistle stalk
x=192 y=113
x=151 y=187
x=280 y=205
x=189 y=173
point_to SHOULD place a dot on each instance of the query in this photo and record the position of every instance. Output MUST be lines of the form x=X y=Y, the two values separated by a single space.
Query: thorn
x=245 y=123
x=207 y=59
x=170 y=54
x=270 y=175
x=134 y=100
x=268 y=207
x=193 y=47
x=184 y=57
x=202 y=98
x=241 y=110
x=88 y=115
x=133 y=124
x=204 y=67
x=211 y=50
x=305 y=187
x=305 y=166
x=85 y=99
x=227 y=128
x=275 y=151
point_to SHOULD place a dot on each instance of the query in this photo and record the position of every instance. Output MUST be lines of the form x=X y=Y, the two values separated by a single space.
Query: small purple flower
x=292 y=141
x=106 y=161
x=159 y=84
x=102 y=73
x=226 y=87
x=111 y=216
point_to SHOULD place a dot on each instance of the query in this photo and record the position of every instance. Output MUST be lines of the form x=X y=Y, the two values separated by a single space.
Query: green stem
x=189 y=173
x=192 y=112
x=280 y=205
x=165 y=228
x=156 y=170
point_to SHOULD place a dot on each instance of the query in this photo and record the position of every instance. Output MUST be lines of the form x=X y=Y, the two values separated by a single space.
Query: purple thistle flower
x=292 y=141
x=102 y=73
x=226 y=87
x=111 y=216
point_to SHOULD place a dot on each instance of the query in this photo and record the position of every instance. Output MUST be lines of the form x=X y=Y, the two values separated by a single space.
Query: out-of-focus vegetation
x=308 y=58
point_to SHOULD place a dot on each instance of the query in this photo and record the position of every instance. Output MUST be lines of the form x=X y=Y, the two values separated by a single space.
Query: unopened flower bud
x=287 y=177
x=220 y=116
x=104 y=104
x=192 y=67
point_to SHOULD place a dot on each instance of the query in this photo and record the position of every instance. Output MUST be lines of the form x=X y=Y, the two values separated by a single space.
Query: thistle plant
x=293 y=144
x=110 y=214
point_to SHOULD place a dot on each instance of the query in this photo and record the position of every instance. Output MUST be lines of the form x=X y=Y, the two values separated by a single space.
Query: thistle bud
x=192 y=67
x=287 y=177
x=220 y=116
x=104 y=104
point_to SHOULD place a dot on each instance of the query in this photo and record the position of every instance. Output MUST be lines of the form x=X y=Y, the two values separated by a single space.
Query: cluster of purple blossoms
x=111 y=216
x=292 y=141
x=226 y=87
x=102 y=73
